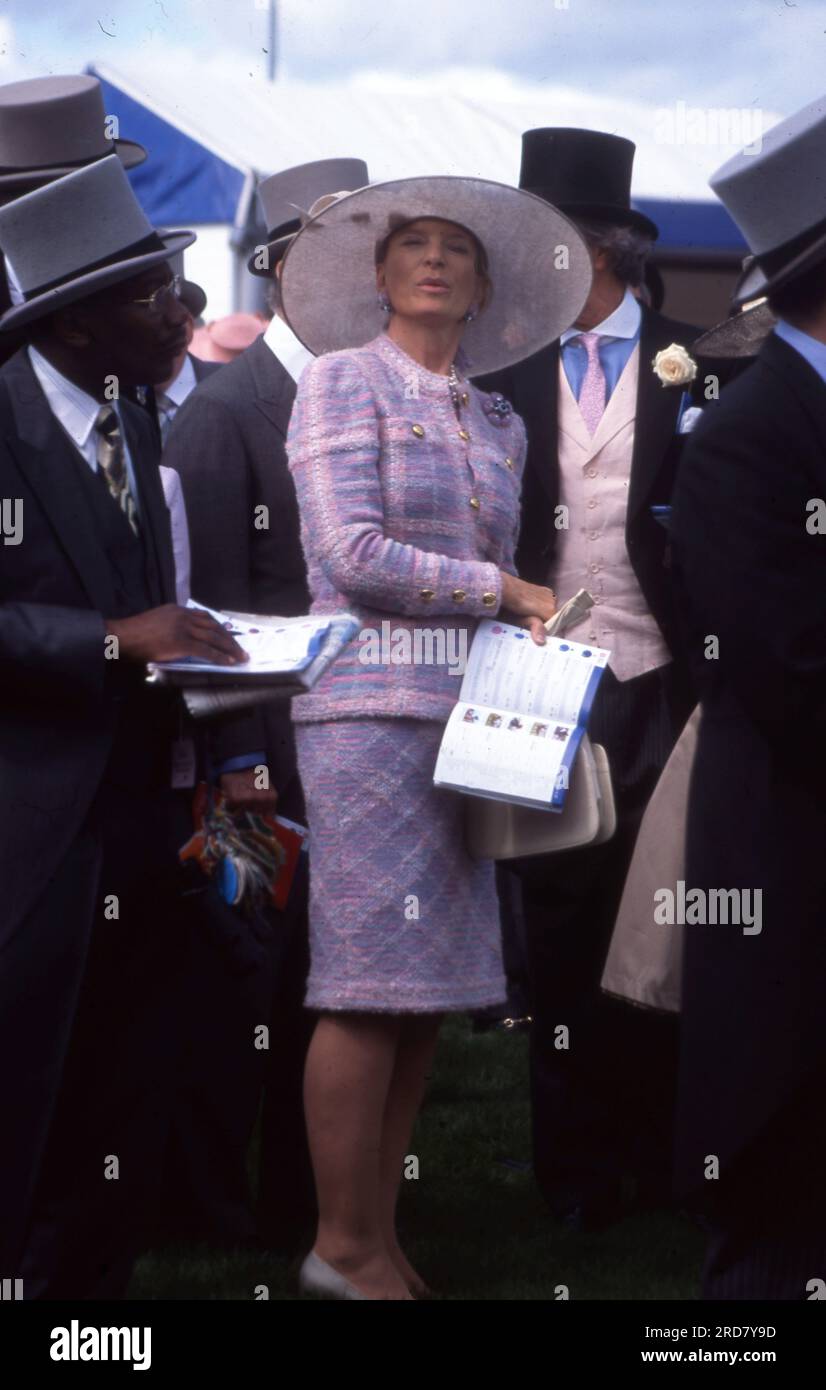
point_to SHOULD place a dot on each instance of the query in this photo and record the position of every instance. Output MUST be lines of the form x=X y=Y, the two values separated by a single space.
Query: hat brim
x=605 y=212
x=756 y=283
x=128 y=152
x=81 y=286
x=741 y=335
x=539 y=266
x=275 y=250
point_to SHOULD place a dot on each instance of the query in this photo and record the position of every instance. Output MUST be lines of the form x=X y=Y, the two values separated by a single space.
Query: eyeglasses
x=163 y=297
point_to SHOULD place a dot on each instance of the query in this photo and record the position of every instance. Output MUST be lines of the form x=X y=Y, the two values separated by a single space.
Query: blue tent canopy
x=183 y=182
x=696 y=227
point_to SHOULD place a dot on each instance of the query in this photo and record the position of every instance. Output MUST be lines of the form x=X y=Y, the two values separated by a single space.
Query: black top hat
x=585 y=173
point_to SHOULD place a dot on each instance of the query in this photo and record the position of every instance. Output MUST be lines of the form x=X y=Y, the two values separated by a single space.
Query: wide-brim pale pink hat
x=539 y=266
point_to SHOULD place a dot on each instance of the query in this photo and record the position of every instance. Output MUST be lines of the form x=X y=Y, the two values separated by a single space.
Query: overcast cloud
x=736 y=53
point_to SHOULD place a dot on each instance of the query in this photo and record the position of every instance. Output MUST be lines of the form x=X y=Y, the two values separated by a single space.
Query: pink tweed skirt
x=402 y=920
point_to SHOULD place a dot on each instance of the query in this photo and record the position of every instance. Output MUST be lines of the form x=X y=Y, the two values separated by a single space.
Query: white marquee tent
x=212 y=133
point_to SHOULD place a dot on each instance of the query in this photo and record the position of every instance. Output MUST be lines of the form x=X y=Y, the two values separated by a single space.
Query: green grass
x=474 y=1227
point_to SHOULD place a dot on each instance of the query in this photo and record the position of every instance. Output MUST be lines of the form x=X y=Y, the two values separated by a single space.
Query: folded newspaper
x=286 y=657
x=522 y=712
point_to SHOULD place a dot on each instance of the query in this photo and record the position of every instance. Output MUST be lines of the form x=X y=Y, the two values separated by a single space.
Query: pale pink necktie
x=592 y=391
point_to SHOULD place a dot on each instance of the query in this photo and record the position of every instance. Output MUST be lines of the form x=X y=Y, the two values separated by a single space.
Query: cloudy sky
x=766 y=54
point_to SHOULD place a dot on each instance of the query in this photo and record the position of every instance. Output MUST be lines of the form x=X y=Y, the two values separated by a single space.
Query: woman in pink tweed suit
x=408 y=482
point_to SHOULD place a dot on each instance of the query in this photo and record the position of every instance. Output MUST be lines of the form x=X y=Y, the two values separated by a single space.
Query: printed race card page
x=521 y=715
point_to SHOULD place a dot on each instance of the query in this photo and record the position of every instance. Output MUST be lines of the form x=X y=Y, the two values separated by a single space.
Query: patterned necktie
x=166 y=411
x=592 y=391
x=112 y=462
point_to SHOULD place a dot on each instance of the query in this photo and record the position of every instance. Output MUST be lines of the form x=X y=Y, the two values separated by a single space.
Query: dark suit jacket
x=227 y=442
x=749 y=572
x=144 y=396
x=59 y=702
x=532 y=387
x=56 y=687
x=203 y=370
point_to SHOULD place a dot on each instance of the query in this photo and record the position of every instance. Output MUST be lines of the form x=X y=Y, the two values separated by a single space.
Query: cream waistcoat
x=594 y=478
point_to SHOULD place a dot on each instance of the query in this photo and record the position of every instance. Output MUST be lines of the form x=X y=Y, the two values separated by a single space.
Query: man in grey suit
x=228 y=445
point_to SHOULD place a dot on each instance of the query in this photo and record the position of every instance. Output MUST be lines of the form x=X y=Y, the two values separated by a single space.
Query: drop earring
x=384 y=303
x=471 y=313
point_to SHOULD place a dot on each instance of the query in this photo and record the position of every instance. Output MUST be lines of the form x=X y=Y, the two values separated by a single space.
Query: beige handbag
x=502 y=830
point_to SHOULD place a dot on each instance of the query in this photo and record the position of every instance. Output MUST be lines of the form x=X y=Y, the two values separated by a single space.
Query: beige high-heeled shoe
x=316 y=1276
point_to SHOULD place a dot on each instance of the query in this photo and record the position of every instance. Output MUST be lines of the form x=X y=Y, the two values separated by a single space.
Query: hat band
x=773 y=261
x=284 y=229
x=35 y=169
x=147 y=244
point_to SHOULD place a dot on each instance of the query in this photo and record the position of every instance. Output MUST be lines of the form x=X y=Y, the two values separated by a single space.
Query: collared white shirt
x=171 y=398
x=76 y=411
x=624 y=322
x=289 y=349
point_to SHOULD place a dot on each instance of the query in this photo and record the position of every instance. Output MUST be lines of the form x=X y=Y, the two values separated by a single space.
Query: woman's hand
x=530 y=604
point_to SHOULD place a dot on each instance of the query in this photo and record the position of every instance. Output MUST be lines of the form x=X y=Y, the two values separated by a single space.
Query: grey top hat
x=777 y=197
x=286 y=198
x=103 y=237
x=538 y=262
x=52 y=125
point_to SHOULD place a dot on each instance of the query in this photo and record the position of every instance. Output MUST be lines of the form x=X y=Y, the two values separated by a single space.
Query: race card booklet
x=521 y=715
x=285 y=654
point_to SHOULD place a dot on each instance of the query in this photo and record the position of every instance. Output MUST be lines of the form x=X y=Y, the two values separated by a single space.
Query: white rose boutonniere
x=674 y=366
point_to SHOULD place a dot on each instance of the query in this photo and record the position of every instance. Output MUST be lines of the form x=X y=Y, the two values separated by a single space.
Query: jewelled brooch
x=498 y=409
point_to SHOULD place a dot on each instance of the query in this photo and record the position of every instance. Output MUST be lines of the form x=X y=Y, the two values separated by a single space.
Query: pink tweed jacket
x=405 y=522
